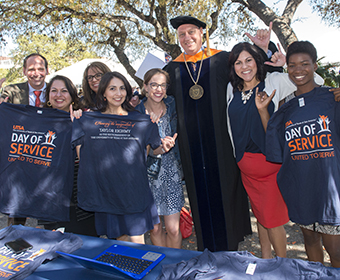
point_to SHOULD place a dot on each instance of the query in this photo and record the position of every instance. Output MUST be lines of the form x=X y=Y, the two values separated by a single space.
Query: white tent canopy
x=75 y=71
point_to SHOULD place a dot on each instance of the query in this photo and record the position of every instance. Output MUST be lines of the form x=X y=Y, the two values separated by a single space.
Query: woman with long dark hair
x=61 y=93
x=112 y=144
x=91 y=79
x=249 y=110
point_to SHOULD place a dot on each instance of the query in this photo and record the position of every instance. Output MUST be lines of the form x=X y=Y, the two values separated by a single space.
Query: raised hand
x=262 y=100
x=262 y=37
x=278 y=59
x=168 y=142
x=154 y=118
x=75 y=114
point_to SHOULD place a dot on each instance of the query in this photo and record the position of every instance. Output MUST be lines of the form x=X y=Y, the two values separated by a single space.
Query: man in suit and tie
x=30 y=92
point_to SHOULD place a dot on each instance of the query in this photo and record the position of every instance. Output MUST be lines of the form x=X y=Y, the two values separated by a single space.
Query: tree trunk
x=124 y=60
x=281 y=24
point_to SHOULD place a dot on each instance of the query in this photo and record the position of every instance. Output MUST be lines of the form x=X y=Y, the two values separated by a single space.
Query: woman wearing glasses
x=166 y=186
x=91 y=78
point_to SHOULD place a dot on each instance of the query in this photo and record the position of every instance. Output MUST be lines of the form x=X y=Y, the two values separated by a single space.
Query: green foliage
x=134 y=26
x=131 y=28
x=329 y=10
x=3 y=73
x=59 y=51
x=329 y=74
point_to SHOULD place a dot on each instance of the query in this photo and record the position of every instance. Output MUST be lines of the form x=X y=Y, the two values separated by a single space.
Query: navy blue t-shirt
x=304 y=135
x=246 y=125
x=36 y=162
x=45 y=243
x=243 y=266
x=112 y=175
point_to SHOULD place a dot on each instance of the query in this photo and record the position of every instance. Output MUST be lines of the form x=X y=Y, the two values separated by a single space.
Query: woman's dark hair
x=152 y=72
x=104 y=83
x=88 y=93
x=70 y=87
x=235 y=80
x=302 y=47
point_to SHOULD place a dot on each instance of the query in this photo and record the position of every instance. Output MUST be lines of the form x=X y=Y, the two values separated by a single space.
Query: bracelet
x=163 y=151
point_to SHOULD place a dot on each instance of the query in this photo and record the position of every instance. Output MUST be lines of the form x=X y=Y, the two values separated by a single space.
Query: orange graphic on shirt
x=288 y=123
x=49 y=138
x=36 y=148
x=50 y=133
x=324 y=122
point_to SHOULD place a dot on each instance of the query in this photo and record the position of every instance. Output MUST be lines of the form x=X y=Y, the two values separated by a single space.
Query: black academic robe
x=217 y=198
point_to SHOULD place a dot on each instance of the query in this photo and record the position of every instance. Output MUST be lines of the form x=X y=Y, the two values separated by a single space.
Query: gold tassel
x=208 y=53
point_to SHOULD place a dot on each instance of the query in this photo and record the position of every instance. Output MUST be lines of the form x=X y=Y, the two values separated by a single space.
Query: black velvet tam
x=177 y=21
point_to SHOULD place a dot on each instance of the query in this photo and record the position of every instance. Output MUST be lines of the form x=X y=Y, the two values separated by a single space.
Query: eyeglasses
x=98 y=76
x=155 y=86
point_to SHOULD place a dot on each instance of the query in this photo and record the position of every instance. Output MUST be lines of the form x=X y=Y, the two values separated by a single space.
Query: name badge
x=301 y=102
x=251 y=268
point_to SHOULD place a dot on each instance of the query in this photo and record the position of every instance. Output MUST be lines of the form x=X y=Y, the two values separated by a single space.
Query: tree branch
x=290 y=9
x=281 y=24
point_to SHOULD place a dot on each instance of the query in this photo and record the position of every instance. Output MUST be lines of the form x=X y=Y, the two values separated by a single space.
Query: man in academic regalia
x=198 y=82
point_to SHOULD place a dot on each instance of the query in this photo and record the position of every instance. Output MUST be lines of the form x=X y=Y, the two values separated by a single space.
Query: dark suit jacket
x=17 y=93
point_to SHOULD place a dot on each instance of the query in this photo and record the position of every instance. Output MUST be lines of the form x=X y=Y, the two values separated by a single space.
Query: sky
x=306 y=25
x=326 y=39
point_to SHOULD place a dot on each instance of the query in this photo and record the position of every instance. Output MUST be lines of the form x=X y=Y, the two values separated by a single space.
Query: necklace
x=159 y=110
x=245 y=97
x=196 y=91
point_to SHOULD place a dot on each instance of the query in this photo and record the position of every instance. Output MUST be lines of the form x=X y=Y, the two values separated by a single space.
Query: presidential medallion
x=196 y=92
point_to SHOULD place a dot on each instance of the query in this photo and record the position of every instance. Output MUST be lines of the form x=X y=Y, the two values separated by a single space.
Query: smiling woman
x=112 y=143
x=304 y=135
x=91 y=78
x=248 y=121
x=166 y=184
x=60 y=93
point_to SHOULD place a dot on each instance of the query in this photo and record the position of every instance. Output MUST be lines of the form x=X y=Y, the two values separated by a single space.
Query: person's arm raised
x=262 y=37
x=167 y=144
x=262 y=101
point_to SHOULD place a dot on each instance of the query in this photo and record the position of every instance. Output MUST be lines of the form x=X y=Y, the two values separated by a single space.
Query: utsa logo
x=324 y=122
x=288 y=123
x=49 y=138
x=18 y=127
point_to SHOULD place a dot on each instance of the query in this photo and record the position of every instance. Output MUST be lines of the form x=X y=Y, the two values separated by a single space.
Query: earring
x=165 y=96
x=72 y=103
x=147 y=94
x=104 y=98
x=49 y=103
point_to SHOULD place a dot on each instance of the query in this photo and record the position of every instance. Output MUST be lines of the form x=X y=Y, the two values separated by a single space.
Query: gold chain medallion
x=196 y=92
